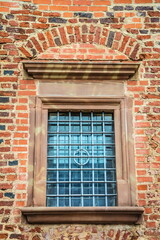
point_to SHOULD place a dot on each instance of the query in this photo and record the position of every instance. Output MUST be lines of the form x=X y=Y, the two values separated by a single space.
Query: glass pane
x=63 y=116
x=75 y=138
x=87 y=188
x=52 y=162
x=76 y=201
x=88 y=201
x=86 y=127
x=99 y=188
x=87 y=176
x=51 y=201
x=75 y=127
x=52 y=176
x=52 y=127
x=52 y=189
x=75 y=176
x=98 y=139
x=108 y=116
x=63 y=201
x=80 y=152
x=99 y=163
x=63 y=139
x=110 y=162
x=99 y=175
x=52 y=116
x=63 y=163
x=52 y=151
x=63 y=127
x=63 y=151
x=64 y=188
x=109 y=138
x=111 y=188
x=100 y=201
x=86 y=116
x=111 y=176
x=98 y=127
x=112 y=201
x=109 y=127
x=63 y=175
x=52 y=138
x=97 y=116
x=76 y=188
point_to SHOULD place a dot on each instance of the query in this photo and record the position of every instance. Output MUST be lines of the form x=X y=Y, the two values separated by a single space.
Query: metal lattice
x=81 y=159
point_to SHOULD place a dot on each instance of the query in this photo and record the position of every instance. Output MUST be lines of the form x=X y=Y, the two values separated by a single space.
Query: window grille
x=81 y=159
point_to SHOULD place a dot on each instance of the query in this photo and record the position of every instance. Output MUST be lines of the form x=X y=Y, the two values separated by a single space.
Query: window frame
x=126 y=212
x=125 y=168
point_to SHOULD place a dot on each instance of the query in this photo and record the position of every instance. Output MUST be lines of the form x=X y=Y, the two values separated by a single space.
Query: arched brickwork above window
x=85 y=33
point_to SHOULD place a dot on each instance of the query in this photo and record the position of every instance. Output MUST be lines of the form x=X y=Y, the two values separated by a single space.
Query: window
x=81 y=157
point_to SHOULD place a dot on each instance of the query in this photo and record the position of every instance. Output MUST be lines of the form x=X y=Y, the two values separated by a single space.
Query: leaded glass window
x=81 y=167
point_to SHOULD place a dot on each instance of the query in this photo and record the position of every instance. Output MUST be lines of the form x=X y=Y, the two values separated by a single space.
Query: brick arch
x=85 y=33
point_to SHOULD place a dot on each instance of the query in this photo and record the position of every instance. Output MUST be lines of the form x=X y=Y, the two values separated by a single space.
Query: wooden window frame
x=126 y=211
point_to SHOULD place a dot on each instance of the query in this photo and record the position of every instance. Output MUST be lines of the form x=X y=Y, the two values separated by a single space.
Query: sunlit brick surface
x=87 y=30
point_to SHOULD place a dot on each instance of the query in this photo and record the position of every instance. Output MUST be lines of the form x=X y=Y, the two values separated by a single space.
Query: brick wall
x=81 y=30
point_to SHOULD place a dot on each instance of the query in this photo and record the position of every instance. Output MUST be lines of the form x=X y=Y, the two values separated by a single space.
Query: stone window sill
x=83 y=215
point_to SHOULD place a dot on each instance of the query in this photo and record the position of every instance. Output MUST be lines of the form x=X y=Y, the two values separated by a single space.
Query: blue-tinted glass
x=52 y=201
x=52 y=189
x=86 y=138
x=112 y=201
x=63 y=201
x=63 y=163
x=87 y=175
x=75 y=127
x=52 y=162
x=109 y=127
x=98 y=150
x=98 y=138
x=111 y=188
x=97 y=116
x=86 y=116
x=110 y=150
x=75 y=176
x=63 y=175
x=63 y=151
x=76 y=201
x=110 y=162
x=75 y=116
x=111 y=176
x=98 y=162
x=64 y=188
x=63 y=116
x=99 y=175
x=52 y=176
x=100 y=201
x=88 y=201
x=76 y=188
x=78 y=146
x=52 y=151
x=86 y=127
x=63 y=139
x=109 y=138
x=87 y=188
x=99 y=188
x=52 y=138
x=52 y=127
x=98 y=127
x=108 y=116
x=75 y=138
x=64 y=127
x=52 y=116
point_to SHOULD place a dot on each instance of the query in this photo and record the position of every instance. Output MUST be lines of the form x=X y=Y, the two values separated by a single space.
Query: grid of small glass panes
x=81 y=159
